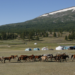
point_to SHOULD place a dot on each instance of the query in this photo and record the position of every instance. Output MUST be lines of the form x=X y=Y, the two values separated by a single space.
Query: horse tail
x=71 y=56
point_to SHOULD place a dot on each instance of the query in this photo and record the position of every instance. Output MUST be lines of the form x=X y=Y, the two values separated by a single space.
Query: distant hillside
x=62 y=19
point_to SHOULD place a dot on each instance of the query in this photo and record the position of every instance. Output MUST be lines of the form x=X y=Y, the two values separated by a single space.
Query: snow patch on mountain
x=59 y=11
x=45 y=14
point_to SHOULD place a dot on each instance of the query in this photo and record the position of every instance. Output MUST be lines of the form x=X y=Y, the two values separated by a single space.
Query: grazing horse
x=8 y=58
x=72 y=57
x=44 y=58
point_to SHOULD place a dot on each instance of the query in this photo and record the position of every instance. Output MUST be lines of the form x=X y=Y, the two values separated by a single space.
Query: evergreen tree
x=4 y=36
x=70 y=37
x=66 y=38
x=46 y=34
x=54 y=34
x=37 y=38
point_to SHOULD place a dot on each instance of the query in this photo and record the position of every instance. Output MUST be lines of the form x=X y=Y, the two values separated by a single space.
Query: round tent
x=28 y=49
x=66 y=47
x=36 y=49
x=44 y=48
x=35 y=43
x=59 y=48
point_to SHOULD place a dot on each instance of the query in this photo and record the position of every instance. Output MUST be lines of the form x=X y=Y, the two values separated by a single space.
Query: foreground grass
x=38 y=68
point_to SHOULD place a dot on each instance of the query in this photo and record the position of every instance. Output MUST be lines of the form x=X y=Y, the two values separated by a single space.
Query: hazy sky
x=14 y=11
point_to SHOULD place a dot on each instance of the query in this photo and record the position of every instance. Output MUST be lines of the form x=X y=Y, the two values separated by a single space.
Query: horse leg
x=72 y=59
x=18 y=59
x=51 y=58
x=39 y=59
x=9 y=60
x=60 y=59
x=46 y=59
x=4 y=60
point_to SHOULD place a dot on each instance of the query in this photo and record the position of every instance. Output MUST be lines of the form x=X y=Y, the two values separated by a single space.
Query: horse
x=14 y=56
x=72 y=57
x=8 y=58
x=60 y=57
x=38 y=57
x=44 y=58
x=31 y=57
x=57 y=58
x=22 y=57
x=49 y=56
x=64 y=57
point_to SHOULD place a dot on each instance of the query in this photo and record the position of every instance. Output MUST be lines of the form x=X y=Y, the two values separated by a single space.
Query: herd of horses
x=44 y=57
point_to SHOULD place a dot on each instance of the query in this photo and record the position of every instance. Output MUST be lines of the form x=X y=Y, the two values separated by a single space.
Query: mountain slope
x=61 y=19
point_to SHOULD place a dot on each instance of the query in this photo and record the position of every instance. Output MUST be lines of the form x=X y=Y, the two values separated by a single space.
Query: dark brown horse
x=8 y=58
x=64 y=57
x=57 y=58
x=60 y=57
x=22 y=57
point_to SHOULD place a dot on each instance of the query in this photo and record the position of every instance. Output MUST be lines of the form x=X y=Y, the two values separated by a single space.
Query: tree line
x=35 y=35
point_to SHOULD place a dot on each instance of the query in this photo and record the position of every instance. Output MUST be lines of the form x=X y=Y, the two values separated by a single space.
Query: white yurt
x=35 y=43
x=59 y=48
x=44 y=48
x=28 y=49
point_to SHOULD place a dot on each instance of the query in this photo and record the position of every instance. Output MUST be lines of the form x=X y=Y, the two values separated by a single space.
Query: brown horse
x=72 y=57
x=31 y=57
x=22 y=57
x=14 y=56
x=57 y=58
x=8 y=58
x=37 y=57
x=60 y=57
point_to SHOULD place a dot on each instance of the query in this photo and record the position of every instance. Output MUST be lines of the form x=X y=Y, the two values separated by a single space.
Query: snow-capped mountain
x=61 y=19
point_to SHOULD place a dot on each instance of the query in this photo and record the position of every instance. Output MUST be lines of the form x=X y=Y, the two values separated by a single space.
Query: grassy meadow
x=17 y=47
